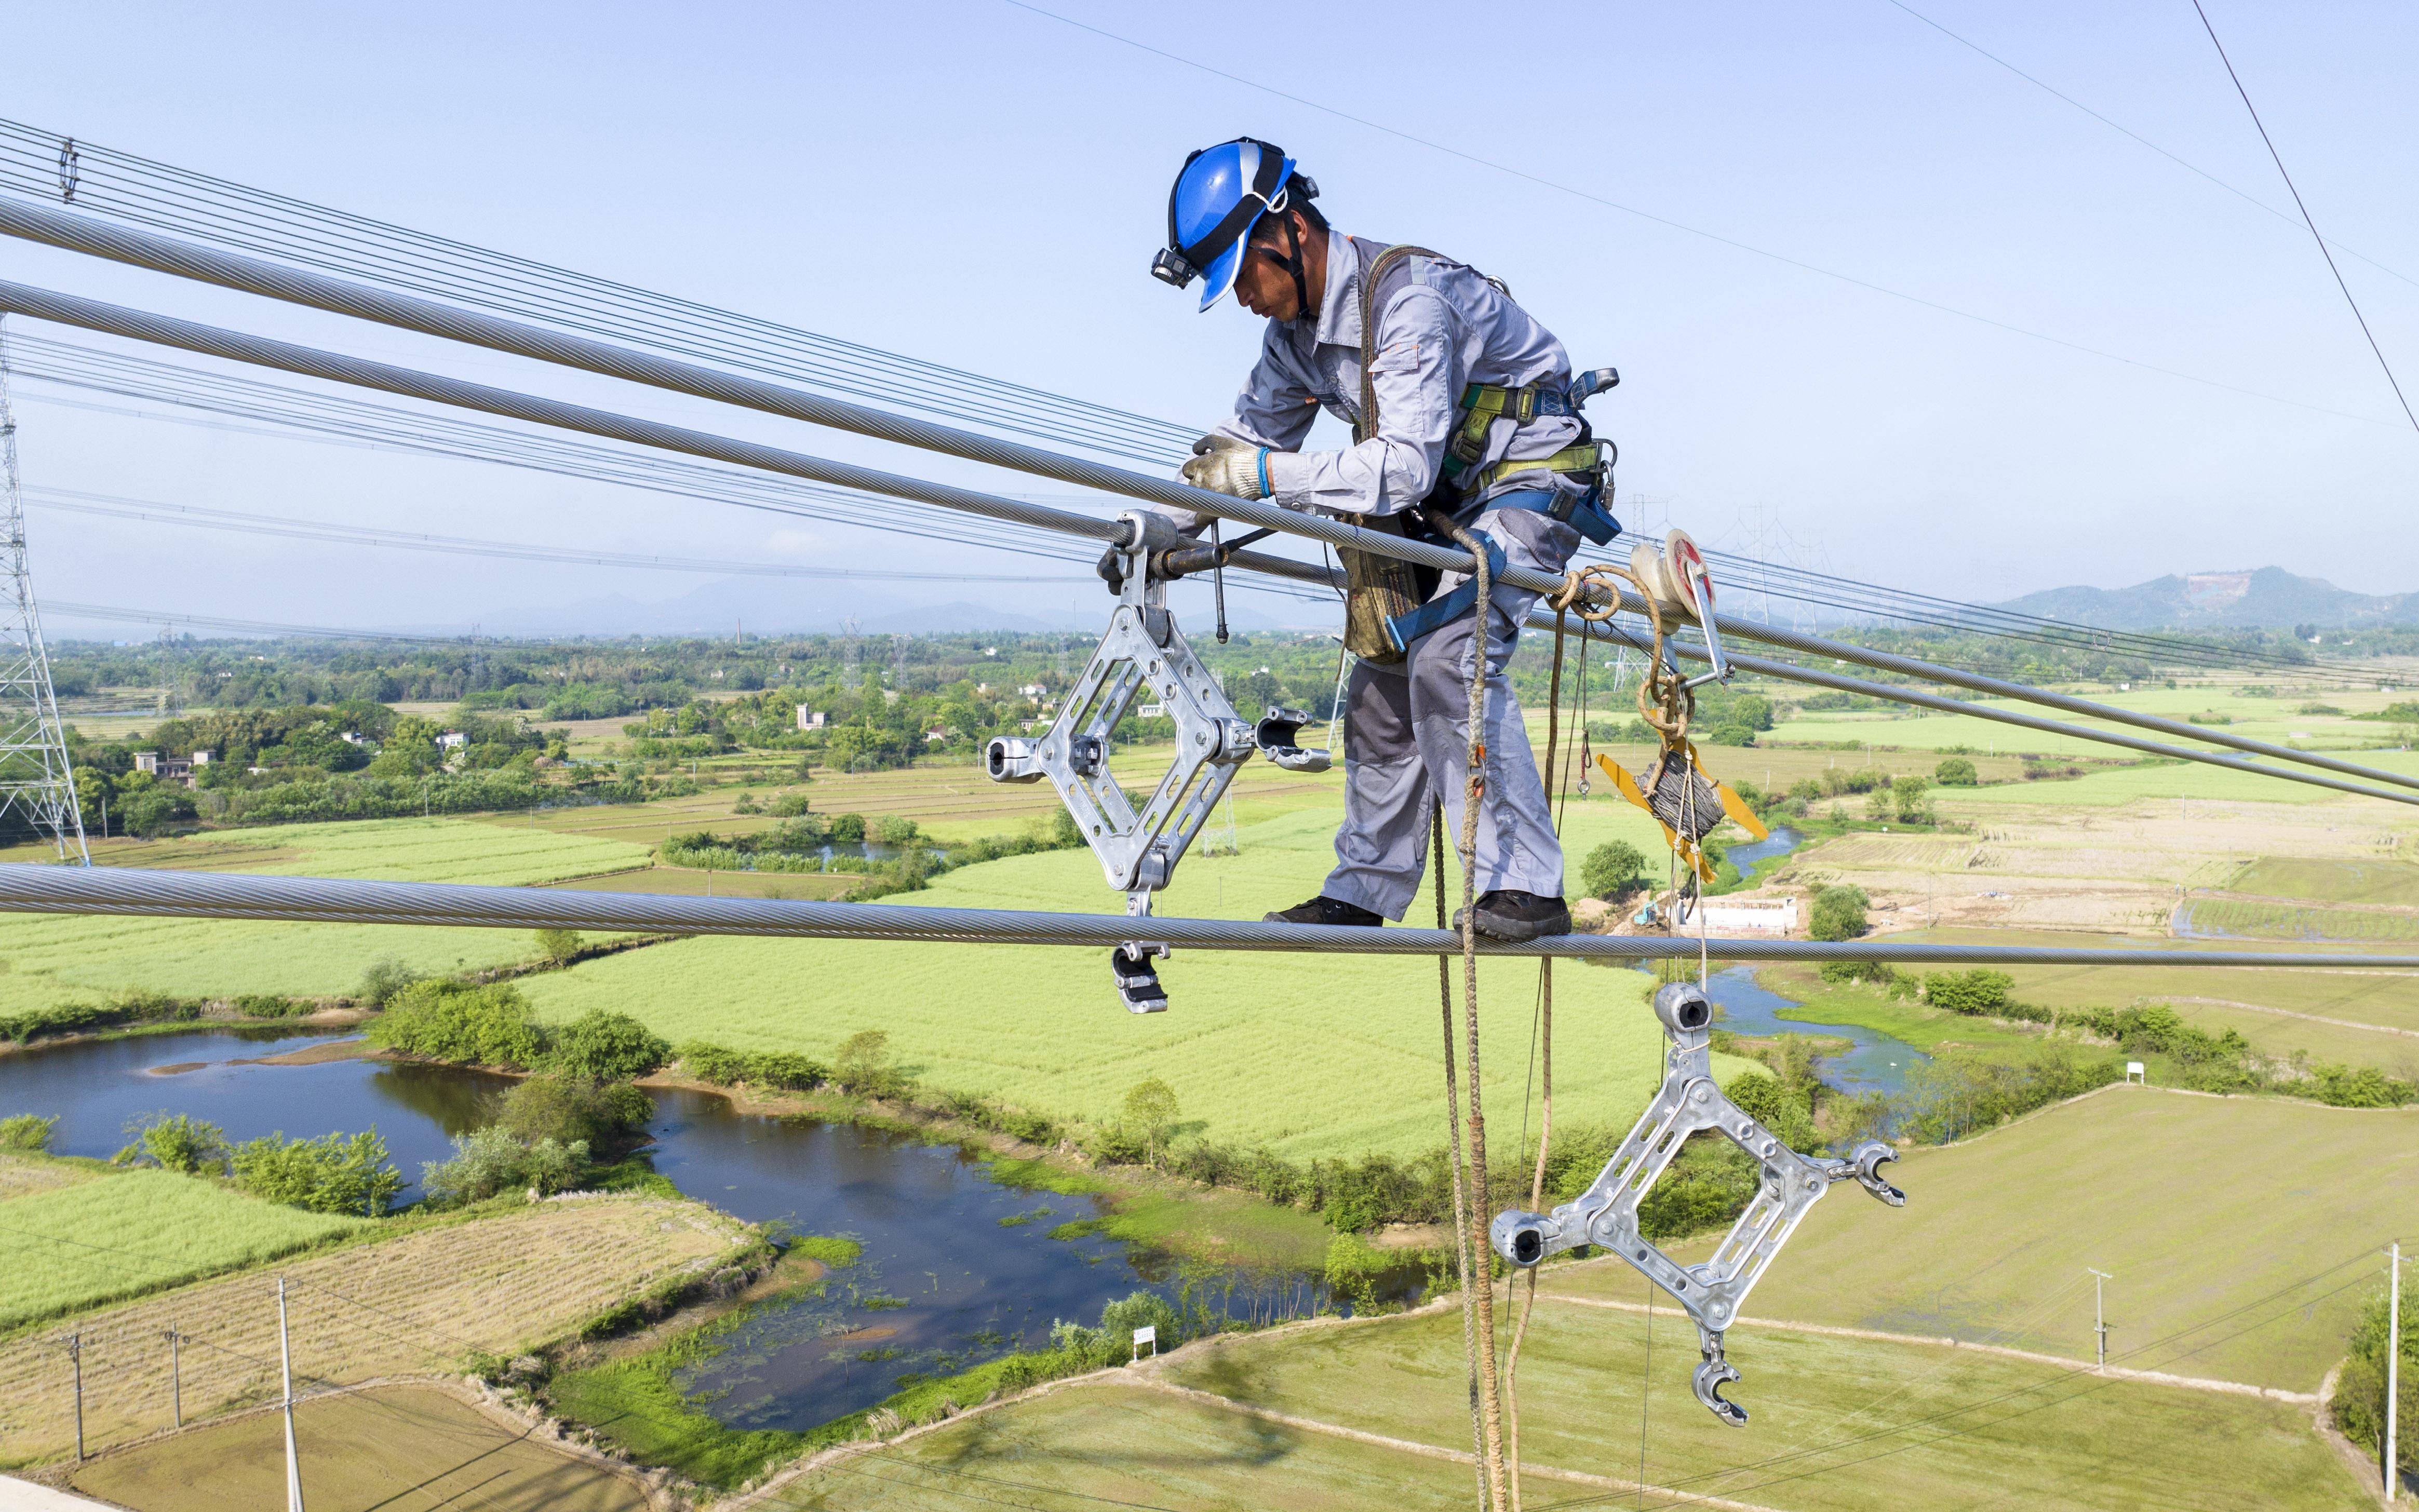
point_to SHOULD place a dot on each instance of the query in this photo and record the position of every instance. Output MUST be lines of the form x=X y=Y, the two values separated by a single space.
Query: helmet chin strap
x=1293 y=265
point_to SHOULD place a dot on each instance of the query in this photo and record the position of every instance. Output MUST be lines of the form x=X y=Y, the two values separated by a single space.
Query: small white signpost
x=2134 y=1073
x=1146 y=1334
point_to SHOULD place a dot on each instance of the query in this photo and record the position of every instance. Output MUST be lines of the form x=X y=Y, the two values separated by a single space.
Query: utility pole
x=75 y=1357
x=35 y=776
x=2099 y=1315
x=175 y=1380
x=286 y=1365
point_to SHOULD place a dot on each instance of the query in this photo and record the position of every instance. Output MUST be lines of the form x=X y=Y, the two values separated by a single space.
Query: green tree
x=1150 y=1107
x=864 y=1066
x=382 y=978
x=1838 y=913
x=606 y=1046
x=575 y=1109
x=2359 y=1389
x=560 y=946
x=1956 y=772
x=1611 y=870
x=466 y=1026
x=1906 y=798
x=336 y=1174
x=1786 y=1112
x=491 y=1160
x=28 y=1133
x=175 y=1142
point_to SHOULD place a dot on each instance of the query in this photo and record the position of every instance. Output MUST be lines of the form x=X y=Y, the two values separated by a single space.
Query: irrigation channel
x=1874 y=1061
x=958 y=1265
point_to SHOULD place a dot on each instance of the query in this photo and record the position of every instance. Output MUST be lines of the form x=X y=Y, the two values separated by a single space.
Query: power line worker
x=1475 y=421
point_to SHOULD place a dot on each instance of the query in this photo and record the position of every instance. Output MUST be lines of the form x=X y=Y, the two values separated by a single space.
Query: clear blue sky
x=979 y=183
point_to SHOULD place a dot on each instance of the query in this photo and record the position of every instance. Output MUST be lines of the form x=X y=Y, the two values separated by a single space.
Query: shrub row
x=778 y=1069
x=136 y=1006
x=492 y=1026
x=2205 y=1062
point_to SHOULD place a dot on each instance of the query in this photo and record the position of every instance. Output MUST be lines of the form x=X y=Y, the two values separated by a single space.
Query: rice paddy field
x=415 y=1302
x=75 y=1242
x=52 y=958
x=1308 y=1054
x=356 y=1450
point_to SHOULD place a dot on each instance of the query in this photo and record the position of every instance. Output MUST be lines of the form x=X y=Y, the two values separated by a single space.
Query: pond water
x=1874 y=1062
x=944 y=1281
x=1780 y=842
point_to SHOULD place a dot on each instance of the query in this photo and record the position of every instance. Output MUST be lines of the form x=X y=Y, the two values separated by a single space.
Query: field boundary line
x=1430 y=1451
x=2154 y=1378
x=2289 y=1014
x=823 y=1458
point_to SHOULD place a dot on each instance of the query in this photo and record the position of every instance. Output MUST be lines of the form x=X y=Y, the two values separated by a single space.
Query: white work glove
x=1224 y=465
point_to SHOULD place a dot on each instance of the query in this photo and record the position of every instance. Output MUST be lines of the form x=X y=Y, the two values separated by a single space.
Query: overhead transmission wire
x=1803 y=585
x=149 y=193
x=95 y=369
x=102 y=369
x=2294 y=190
x=111 y=506
x=503 y=335
x=162 y=196
x=2189 y=166
x=1594 y=198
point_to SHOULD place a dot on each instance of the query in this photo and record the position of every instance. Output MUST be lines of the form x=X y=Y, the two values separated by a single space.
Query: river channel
x=958 y=1266
x=1874 y=1061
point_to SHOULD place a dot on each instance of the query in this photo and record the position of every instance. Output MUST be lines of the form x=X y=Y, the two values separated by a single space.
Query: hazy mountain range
x=2262 y=596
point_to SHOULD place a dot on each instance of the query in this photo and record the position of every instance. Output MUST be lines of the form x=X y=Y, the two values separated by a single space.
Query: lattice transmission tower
x=36 y=786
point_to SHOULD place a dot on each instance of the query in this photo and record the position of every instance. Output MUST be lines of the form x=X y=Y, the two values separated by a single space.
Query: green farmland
x=2240 y=1231
x=1838 y=1425
x=1309 y=1055
x=2386 y=884
x=2357 y=1016
x=156 y=1230
x=53 y=958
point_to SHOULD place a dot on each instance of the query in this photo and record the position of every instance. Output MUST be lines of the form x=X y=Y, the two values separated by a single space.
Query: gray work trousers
x=1406 y=740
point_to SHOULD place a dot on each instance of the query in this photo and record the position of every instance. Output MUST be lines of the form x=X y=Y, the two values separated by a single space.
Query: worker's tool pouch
x=1681 y=797
x=1402 y=629
x=1376 y=590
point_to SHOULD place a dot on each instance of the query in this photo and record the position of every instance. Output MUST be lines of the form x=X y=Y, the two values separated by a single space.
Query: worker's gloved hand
x=1224 y=465
x=1112 y=568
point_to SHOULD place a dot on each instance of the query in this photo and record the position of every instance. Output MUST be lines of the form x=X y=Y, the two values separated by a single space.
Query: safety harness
x=1387 y=601
x=1591 y=460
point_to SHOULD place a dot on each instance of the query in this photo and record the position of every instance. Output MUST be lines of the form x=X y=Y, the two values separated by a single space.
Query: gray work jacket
x=1441 y=328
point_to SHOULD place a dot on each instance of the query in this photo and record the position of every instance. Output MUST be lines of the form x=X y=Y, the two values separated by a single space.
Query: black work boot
x=1510 y=914
x=1325 y=910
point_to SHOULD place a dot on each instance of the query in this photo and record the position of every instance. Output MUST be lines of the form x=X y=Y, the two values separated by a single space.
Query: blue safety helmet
x=1220 y=195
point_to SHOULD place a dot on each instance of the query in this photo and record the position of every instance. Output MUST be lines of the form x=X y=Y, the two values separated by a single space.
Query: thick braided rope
x=1473 y=791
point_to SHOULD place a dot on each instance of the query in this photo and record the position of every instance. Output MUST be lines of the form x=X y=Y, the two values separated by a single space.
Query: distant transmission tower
x=34 y=779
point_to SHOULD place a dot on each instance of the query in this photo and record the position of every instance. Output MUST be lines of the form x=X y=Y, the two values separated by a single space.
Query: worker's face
x=1262 y=283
